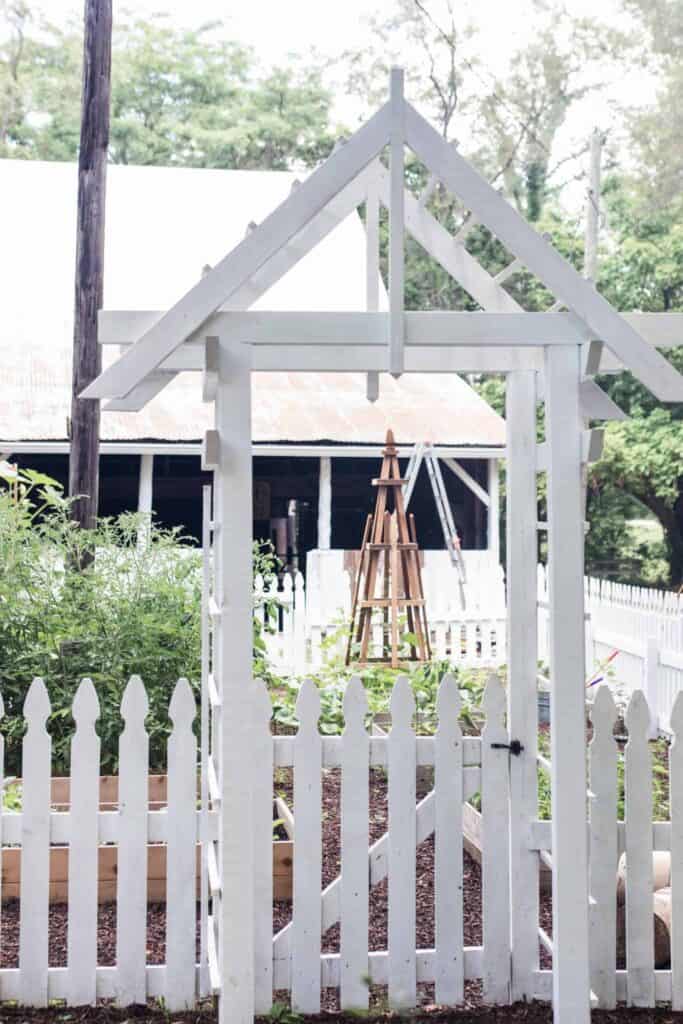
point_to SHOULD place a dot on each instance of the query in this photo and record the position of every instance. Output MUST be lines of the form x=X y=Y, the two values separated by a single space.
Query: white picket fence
x=645 y=627
x=85 y=828
x=297 y=642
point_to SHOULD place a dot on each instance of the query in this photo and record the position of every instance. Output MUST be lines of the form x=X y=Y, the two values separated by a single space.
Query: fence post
x=651 y=684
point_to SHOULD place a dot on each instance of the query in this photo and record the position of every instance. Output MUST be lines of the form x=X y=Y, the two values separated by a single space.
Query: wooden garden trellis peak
x=390 y=542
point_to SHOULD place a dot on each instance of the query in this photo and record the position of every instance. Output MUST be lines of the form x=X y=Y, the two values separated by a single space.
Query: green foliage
x=179 y=97
x=135 y=610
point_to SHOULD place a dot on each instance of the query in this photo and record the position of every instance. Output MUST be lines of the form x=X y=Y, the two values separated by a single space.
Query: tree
x=180 y=97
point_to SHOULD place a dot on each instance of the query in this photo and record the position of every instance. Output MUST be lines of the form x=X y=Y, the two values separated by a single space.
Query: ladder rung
x=401 y=545
x=386 y=602
x=388 y=482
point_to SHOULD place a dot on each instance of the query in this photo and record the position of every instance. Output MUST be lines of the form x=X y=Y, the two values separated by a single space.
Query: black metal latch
x=514 y=746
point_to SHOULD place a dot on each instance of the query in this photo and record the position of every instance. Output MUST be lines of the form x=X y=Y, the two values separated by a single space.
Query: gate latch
x=514 y=746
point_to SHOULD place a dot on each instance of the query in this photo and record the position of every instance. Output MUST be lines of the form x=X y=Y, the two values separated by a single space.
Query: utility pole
x=92 y=174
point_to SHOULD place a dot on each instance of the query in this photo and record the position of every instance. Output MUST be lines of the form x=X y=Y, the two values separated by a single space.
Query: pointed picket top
x=676 y=717
x=262 y=706
x=183 y=707
x=86 y=706
x=637 y=714
x=355 y=704
x=402 y=704
x=493 y=701
x=134 y=703
x=448 y=700
x=604 y=711
x=37 y=704
x=307 y=706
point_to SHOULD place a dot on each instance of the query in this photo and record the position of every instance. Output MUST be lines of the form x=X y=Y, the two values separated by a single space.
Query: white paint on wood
x=325 y=503
x=2 y=808
x=372 y=273
x=396 y=223
x=495 y=870
x=261 y=763
x=355 y=765
x=541 y=258
x=145 y=497
x=522 y=647
x=401 y=758
x=36 y=753
x=204 y=743
x=84 y=805
x=448 y=851
x=232 y=670
x=181 y=858
x=639 y=881
x=235 y=269
x=676 y=814
x=603 y=849
x=494 y=509
x=571 y=988
x=131 y=890
x=306 y=920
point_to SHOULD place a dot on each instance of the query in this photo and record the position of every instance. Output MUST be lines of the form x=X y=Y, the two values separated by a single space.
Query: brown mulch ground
x=472 y=1011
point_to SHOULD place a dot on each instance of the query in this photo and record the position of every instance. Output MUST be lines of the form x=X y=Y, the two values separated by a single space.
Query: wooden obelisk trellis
x=390 y=542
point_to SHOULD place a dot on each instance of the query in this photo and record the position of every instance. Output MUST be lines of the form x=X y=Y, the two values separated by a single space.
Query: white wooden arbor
x=545 y=355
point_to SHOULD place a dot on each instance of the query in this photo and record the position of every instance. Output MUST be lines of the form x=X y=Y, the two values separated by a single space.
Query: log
x=661 y=911
x=661 y=872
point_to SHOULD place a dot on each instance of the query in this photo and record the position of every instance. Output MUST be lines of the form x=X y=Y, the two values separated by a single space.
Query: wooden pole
x=92 y=171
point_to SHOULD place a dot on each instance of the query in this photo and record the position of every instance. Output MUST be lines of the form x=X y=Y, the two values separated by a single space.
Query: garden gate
x=552 y=355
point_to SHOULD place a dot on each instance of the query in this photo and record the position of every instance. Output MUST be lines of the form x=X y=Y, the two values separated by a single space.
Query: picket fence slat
x=2 y=808
x=495 y=875
x=355 y=806
x=448 y=847
x=262 y=769
x=306 y=933
x=638 y=828
x=131 y=890
x=676 y=813
x=603 y=849
x=84 y=805
x=402 y=882
x=35 y=848
x=181 y=857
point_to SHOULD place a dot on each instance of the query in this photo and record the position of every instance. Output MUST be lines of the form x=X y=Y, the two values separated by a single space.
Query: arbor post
x=571 y=987
x=233 y=673
x=92 y=174
x=522 y=645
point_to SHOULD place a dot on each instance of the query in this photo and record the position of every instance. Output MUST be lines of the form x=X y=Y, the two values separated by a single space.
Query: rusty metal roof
x=163 y=226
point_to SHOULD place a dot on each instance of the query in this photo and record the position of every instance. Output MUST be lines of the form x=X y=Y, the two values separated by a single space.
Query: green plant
x=136 y=609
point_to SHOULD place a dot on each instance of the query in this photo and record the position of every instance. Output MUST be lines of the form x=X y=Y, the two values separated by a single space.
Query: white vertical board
x=396 y=224
x=495 y=870
x=603 y=850
x=306 y=918
x=676 y=815
x=35 y=848
x=233 y=671
x=354 y=898
x=84 y=800
x=640 y=983
x=571 y=983
x=205 y=742
x=2 y=790
x=261 y=765
x=131 y=889
x=522 y=626
x=325 y=503
x=181 y=856
x=401 y=758
x=448 y=854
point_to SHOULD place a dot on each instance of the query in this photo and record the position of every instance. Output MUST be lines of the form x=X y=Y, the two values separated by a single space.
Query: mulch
x=472 y=1010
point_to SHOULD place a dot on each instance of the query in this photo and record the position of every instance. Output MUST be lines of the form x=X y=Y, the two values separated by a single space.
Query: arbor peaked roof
x=139 y=366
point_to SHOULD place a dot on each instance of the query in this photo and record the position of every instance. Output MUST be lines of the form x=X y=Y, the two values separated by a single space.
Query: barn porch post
x=233 y=675
x=571 y=986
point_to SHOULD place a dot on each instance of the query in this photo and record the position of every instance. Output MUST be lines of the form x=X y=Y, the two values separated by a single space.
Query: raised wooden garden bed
x=283 y=850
